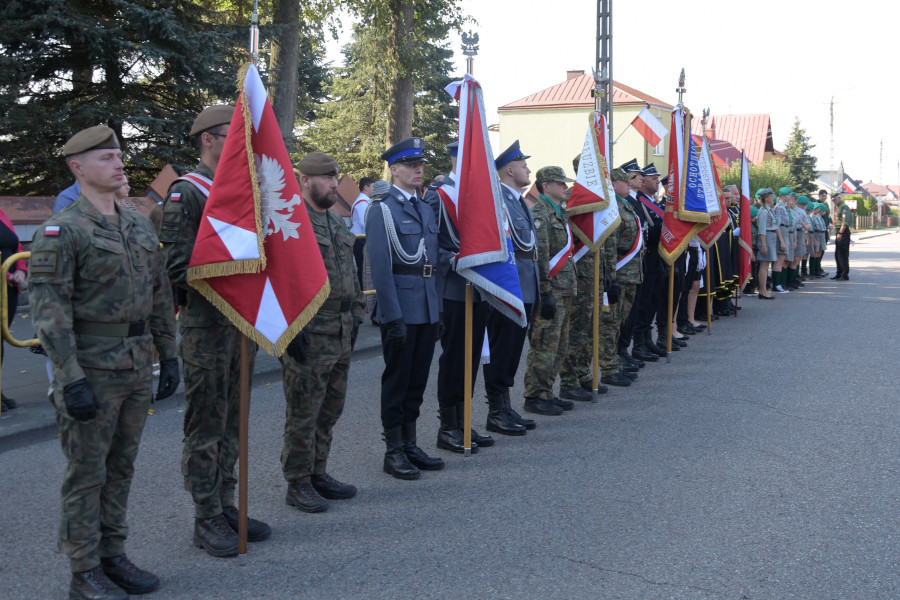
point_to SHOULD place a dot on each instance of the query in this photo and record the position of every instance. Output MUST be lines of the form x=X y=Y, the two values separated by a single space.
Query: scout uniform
x=843 y=217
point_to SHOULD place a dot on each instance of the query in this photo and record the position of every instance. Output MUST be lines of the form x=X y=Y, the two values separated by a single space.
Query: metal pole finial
x=254 y=34
x=681 y=89
x=469 y=48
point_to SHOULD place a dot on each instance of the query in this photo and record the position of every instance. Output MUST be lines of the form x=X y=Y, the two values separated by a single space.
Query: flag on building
x=745 y=242
x=676 y=231
x=651 y=128
x=592 y=209
x=475 y=207
x=849 y=185
x=256 y=257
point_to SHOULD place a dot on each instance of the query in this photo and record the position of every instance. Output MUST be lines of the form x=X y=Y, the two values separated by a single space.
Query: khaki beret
x=210 y=117
x=93 y=138
x=318 y=163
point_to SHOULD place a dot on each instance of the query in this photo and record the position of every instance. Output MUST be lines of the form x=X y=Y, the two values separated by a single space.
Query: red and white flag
x=256 y=257
x=649 y=127
x=849 y=185
x=745 y=243
x=592 y=209
x=676 y=233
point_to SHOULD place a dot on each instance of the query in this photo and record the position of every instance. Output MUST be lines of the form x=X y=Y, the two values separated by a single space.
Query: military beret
x=618 y=175
x=784 y=191
x=211 y=116
x=99 y=137
x=409 y=151
x=379 y=188
x=318 y=163
x=754 y=210
x=510 y=154
x=546 y=174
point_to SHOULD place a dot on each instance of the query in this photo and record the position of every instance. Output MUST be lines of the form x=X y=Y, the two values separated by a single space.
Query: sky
x=785 y=58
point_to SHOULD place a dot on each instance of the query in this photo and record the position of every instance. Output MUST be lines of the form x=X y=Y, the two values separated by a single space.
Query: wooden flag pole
x=244 y=418
x=669 y=322
x=708 y=298
x=467 y=377
x=595 y=329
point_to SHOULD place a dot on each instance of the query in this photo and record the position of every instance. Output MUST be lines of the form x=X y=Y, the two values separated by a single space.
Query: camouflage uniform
x=576 y=368
x=100 y=299
x=629 y=277
x=210 y=353
x=549 y=339
x=314 y=390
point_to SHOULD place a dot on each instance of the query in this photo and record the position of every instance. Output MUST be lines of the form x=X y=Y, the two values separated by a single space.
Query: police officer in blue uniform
x=402 y=240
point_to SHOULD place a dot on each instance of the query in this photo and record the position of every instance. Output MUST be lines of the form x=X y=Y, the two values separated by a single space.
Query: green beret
x=210 y=117
x=99 y=137
x=802 y=200
x=784 y=191
x=754 y=210
x=546 y=174
x=318 y=163
x=618 y=175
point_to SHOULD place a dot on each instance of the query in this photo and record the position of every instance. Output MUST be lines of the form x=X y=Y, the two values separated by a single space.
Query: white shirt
x=358 y=214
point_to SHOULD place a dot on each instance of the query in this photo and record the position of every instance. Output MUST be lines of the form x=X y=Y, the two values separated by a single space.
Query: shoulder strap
x=203 y=184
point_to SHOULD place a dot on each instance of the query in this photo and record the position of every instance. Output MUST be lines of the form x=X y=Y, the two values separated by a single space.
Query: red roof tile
x=752 y=133
x=27 y=210
x=575 y=92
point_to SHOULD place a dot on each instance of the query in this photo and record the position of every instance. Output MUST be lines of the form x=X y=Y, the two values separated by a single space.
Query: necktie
x=415 y=204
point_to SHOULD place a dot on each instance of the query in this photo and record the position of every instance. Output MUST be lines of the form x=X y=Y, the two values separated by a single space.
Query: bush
x=771 y=173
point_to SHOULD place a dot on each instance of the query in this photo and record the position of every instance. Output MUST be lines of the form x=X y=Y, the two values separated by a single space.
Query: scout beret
x=802 y=200
x=763 y=192
x=409 y=151
x=318 y=163
x=754 y=210
x=209 y=117
x=546 y=174
x=510 y=154
x=99 y=137
x=379 y=188
x=618 y=175
x=784 y=191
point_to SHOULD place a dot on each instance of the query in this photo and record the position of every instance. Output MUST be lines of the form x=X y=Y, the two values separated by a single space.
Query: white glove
x=701 y=263
x=737 y=232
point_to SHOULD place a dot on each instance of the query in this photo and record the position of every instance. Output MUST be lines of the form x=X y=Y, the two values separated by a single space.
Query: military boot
x=94 y=584
x=499 y=421
x=526 y=423
x=576 y=394
x=542 y=407
x=588 y=387
x=257 y=531
x=396 y=462
x=415 y=454
x=482 y=441
x=128 y=576
x=641 y=352
x=652 y=346
x=215 y=536
x=450 y=436
x=303 y=496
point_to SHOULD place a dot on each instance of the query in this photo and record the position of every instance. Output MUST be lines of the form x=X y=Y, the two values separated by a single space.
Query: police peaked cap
x=453 y=147
x=632 y=167
x=409 y=151
x=650 y=170
x=510 y=154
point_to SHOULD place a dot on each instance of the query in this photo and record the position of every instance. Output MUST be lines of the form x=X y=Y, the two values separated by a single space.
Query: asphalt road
x=761 y=463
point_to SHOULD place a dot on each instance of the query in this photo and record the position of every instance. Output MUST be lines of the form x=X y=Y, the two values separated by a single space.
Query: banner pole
x=735 y=302
x=708 y=298
x=467 y=377
x=669 y=322
x=595 y=329
x=244 y=418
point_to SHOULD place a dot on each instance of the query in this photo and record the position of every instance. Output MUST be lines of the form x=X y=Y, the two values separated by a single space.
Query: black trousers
x=653 y=288
x=506 y=340
x=627 y=329
x=451 y=364
x=358 y=247
x=12 y=305
x=842 y=255
x=406 y=375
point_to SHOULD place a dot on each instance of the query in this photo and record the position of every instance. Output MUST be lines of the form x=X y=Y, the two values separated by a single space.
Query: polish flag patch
x=176 y=197
x=52 y=230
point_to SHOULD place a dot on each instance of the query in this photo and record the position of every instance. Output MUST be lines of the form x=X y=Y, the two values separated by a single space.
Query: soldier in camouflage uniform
x=210 y=351
x=100 y=300
x=549 y=334
x=317 y=361
x=628 y=276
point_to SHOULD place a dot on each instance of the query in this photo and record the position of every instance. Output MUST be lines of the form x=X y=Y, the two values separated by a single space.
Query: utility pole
x=603 y=68
x=831 y=125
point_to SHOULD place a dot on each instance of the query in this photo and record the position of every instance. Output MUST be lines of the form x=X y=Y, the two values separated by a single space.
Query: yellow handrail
x=4 y=307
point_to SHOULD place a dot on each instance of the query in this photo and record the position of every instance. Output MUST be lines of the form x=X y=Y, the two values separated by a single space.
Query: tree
x=801 y=162
x=771 y=173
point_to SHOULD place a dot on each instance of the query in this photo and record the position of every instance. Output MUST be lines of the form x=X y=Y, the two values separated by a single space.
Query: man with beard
x=315 y=367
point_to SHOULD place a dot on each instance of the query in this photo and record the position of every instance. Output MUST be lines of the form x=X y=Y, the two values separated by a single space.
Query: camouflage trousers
x=548 y=343
x=100 y=458
x=314 y=393
x=211 y=361
x=610 y=324
x=576 y=367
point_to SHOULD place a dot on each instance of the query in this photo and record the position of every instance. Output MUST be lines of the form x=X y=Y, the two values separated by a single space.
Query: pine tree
x=802 y=163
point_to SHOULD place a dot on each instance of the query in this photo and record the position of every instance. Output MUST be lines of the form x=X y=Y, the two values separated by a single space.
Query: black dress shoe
x=129 y=576
x=7 y=403
x=540 y=406
x=631 y=360
x=629 y=375
x=94 y=584
x=421 y=460
x=845 y=278
x=683 y=330
x=304 y=496
x=257 y=531
x=679 y=342
x=698 y=326
x=662 y=344
x=332 y=489
x=483 y=441
x=643 y=353
x=630 y=368
x=215 y=536
x=761 y=297
x=616 y=379
x=838 y=276
x=563 y=404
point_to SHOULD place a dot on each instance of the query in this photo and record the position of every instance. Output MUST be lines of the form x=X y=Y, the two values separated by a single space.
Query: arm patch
x=44 y=261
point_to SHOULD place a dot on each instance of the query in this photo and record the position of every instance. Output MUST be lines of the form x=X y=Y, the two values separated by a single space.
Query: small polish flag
x=849 y=185
x=51 y=230
x=175 y=197
x=649 y=127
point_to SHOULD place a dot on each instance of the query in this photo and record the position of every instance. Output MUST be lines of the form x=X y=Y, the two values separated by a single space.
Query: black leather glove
x=395 y=334
x=180 y=296
x=169 y=377
x=354 y=332
x=613 y=292
x=297 y=348
x=80 y=401
x=441 y=328
x=548 y=306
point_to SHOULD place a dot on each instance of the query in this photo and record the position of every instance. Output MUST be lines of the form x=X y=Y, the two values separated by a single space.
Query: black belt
x=425 y=271
x=527 y=254
x=135 y=329
x=338 y=305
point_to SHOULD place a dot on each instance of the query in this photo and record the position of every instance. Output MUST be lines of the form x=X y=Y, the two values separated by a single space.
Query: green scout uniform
x=314 y=390
x=843 y=216
x=549 y=339
x=629 y=277
x=210 y=353
x=576 y=368
x=100 y=300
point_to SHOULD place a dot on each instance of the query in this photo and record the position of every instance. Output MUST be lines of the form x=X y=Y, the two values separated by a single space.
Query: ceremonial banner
x=696 y=200
x=649 y=127
x=256 y=257
x=475 y=208
x=592 y=209
x=710 y=234
x=745 y=243
x=676 y=233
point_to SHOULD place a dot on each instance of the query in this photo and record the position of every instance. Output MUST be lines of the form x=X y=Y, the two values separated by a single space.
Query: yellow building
x=551 y=124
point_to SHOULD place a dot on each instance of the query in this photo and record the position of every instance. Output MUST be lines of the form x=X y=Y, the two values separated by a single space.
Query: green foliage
x=802 y=164
x=771 y=173
x=871 y=205
x=860 y=209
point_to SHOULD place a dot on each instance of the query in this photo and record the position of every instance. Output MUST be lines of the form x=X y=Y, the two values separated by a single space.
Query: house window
x=660 y=148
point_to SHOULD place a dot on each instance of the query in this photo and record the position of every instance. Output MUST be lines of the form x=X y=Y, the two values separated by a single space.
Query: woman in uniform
x=769 y=237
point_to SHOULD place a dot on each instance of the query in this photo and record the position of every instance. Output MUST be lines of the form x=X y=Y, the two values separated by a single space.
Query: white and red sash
x=199 y=181
x=638 y=242
x=559 y=261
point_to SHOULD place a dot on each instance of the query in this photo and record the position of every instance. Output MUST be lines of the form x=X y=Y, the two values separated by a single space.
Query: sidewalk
x=24 y=379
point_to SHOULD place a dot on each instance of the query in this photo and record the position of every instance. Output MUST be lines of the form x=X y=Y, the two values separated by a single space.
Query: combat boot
x=450 y=436
x=616 y=379
x=652 y=346
x=415 y=454
x=303 y=496
x=542 y=407
x=516 y=417
x=577 y=394
x=128 y=576
x=482 y=441
x=588 y=387
x=396 y=462
x=499 y=421
x=94 y=584
x=330 y=488
x=641 y=352
x=257 y=531
x=215 y=536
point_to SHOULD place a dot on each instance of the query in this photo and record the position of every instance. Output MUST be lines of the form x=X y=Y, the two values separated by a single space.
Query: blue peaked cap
x=407 y=151
x=510 y=154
